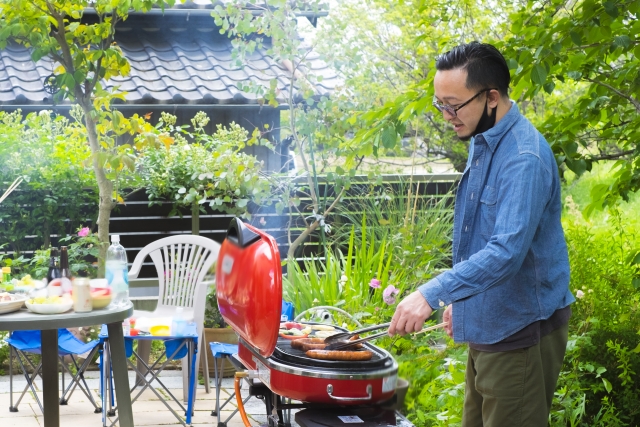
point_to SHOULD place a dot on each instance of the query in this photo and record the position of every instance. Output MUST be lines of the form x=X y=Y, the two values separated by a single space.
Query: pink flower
x=389 y=294
x=374 y=283
x=84 y=232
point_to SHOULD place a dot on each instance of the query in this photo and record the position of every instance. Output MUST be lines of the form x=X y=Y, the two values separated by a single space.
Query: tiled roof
x=168 y=66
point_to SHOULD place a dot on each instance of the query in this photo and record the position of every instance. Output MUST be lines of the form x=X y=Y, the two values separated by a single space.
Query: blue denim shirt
x=510 y=261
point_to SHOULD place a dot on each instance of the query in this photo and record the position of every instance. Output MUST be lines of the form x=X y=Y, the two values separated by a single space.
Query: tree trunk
x=47 y=233
x=195 y=219
x=105 y=187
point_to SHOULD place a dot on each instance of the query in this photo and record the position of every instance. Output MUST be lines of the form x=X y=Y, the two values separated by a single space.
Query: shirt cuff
x=435 y=294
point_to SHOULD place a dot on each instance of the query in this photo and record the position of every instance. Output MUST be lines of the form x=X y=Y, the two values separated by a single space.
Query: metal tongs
x=344 y=342
x=344 y=337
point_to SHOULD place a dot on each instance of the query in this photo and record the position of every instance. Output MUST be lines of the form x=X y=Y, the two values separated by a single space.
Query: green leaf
x=575 y=75
x=548 y=87
x=622 y=41
x=634 y=258
x=576 y=38
x=611 y=9
x=607 y=385
x=389 y=137
x=538 y=74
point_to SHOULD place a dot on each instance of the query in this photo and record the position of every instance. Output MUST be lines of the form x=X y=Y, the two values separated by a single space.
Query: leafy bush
x=211 y=169
x=58 y=191
x=436 y=378
x=83 y=250
x=598 y=385
x=212 y=316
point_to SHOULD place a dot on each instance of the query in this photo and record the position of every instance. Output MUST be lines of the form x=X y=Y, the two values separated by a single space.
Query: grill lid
x=249 y=285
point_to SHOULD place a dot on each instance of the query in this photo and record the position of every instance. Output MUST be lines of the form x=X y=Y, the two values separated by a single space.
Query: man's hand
x=446 y=317
x=410 y=315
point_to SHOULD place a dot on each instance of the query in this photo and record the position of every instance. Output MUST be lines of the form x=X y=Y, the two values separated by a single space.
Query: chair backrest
x=181 y=262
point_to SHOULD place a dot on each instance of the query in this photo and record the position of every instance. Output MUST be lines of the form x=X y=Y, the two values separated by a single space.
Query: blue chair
x=23 y=343
x=176 y=348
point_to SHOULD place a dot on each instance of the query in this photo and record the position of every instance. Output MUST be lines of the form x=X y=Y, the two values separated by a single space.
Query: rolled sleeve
x=435 y=294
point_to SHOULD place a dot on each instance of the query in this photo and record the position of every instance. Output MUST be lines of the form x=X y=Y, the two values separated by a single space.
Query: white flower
x=579 y=294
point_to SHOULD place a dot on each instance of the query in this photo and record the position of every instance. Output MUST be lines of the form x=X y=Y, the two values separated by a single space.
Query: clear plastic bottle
x=126 y=327
x=117 y=272
x=179 y=323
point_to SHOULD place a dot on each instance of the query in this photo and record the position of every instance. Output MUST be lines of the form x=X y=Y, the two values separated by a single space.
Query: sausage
x=340 y=355
x=305 y=344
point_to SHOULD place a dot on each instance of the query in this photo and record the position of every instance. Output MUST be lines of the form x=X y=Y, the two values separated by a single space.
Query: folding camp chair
x=176 y=347
x=23 y=343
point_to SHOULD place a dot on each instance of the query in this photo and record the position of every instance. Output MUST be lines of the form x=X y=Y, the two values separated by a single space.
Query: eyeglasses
x=453 y=111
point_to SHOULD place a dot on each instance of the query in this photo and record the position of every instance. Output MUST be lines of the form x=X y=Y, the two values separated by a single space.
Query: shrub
x=598 y=385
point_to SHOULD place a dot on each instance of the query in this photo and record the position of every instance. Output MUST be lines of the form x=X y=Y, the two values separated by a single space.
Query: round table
x=49 y=325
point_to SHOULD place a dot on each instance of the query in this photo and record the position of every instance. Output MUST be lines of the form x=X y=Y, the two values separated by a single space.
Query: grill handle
x=240 y=235
x=368 y=397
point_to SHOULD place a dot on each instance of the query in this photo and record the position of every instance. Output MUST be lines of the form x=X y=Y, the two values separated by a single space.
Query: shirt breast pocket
x=488 y=201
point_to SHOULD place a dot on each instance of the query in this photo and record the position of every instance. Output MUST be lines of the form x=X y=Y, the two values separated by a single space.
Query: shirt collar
x=495 y=134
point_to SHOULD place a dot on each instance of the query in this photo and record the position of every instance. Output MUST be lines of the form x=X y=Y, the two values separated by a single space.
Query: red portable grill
x=249 y=292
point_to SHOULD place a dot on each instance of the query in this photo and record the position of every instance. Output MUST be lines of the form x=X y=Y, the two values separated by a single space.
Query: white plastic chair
x=181 y=263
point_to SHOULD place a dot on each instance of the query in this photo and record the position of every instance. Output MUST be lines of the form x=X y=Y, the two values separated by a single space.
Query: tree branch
x=612 y=156
x=629 y=98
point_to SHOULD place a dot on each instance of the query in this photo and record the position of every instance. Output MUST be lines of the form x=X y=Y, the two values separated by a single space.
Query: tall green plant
x=362 y=283
x=418 y=228
x=211 y=169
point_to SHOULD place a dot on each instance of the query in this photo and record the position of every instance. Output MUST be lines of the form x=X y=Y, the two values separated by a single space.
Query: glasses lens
x=444 y=108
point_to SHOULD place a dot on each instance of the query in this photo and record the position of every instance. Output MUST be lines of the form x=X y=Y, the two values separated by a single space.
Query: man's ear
x=493 y=97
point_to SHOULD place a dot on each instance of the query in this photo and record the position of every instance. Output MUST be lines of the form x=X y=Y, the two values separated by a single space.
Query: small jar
x=81 y=295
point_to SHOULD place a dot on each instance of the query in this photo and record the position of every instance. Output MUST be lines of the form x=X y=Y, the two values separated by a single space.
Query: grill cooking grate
x=285 y=353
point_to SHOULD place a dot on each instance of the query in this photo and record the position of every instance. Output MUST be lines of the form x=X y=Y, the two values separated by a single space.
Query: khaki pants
x=514 y=388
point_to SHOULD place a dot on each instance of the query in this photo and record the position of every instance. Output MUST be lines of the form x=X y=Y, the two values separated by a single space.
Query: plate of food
x=293 y=330
x=49 y=305
x=11 y=302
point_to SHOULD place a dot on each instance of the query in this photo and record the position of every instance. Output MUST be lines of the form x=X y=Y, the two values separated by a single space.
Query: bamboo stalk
x=12 y=187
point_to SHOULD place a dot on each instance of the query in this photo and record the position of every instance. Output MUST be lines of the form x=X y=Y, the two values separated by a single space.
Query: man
x=507 y=294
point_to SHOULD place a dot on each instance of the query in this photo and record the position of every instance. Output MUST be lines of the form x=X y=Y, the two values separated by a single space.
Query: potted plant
x=216 y=330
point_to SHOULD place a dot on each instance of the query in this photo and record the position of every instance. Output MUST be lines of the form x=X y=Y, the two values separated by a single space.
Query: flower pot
x=224 y=335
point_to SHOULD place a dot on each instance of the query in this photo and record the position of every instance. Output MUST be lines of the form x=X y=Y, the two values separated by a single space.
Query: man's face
x=450 y=89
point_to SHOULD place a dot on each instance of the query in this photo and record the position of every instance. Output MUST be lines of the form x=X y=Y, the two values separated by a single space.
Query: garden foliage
x=58 y=192
x=195 y=168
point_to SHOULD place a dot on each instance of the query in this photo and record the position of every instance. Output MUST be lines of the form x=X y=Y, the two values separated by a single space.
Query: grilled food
x=305 y=344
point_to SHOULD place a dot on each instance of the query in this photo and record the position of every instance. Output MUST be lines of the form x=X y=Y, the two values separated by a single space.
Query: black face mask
x=486 y=121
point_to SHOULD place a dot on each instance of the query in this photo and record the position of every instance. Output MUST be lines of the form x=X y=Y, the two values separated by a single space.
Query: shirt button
x=466 y=228
x=471 y=196
x=441 y=304
x=477 y=161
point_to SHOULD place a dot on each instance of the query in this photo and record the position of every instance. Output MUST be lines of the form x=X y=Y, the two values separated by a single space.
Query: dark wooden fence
x=139 y=224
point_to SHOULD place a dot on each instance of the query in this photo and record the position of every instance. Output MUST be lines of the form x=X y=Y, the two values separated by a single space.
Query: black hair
x=486 y=67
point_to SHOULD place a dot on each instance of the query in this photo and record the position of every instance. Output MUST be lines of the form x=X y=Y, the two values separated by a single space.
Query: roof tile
x=193 y=66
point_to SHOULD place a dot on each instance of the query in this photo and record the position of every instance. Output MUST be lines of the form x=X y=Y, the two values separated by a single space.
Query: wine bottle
x=65 y=274
x=54 y=269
